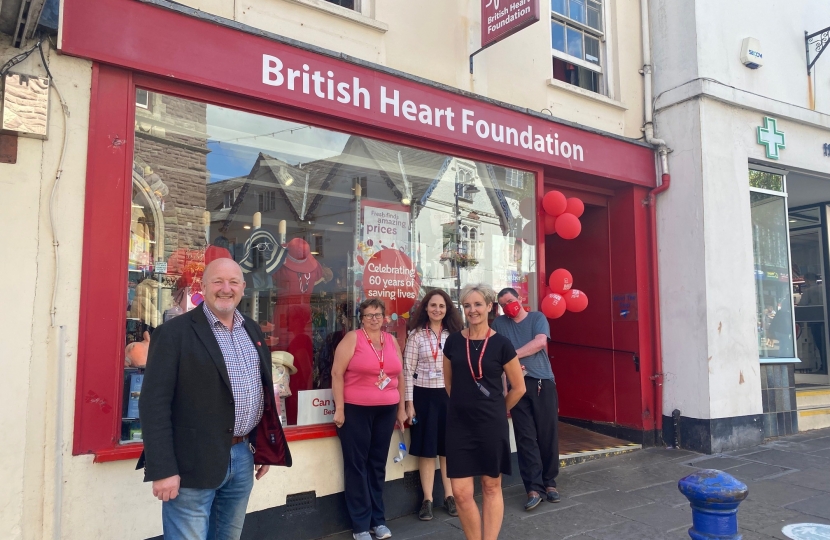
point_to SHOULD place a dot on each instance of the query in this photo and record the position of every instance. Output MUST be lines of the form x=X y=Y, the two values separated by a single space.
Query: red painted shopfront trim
x=99 y=385
x=296 y=433
x=215 y=55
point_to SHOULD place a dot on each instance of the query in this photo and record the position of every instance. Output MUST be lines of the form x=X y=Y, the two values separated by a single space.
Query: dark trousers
x=535 y=425
x=365 y=438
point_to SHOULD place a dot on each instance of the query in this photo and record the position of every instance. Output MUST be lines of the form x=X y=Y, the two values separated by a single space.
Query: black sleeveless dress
x=478 y=435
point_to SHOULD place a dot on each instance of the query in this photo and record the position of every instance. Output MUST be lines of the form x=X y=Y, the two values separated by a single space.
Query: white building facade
x=742 y=291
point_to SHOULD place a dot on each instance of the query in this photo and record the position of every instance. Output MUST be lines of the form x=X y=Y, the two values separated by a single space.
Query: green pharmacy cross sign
x=770 y=137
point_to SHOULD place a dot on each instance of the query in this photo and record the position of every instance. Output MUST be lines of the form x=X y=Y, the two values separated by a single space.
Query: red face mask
x=511 y=309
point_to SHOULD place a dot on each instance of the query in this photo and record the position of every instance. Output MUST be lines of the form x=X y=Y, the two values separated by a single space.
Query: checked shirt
x=418 y=359
x=242 y=362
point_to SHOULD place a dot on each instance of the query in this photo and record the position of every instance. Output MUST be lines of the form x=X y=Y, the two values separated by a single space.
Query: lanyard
x=437 y=343
x=480 y=358
x=378 y=356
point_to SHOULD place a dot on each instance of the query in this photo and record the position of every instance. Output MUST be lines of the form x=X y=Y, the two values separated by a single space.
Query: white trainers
x=362 y=536
x=381 y=532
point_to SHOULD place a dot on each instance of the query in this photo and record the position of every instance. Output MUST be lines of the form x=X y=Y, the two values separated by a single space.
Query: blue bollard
x=714 y=497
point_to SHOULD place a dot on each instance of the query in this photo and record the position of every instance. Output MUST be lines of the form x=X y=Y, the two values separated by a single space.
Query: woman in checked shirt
x=426 y=399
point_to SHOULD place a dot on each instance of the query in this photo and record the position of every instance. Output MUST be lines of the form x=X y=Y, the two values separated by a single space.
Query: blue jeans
x=213 y=514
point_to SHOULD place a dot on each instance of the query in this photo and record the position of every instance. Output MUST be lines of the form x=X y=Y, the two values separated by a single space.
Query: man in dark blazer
x=208 y=413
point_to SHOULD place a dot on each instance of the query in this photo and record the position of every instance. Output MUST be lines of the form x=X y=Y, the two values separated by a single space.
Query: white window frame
x=604 y=87
x=783 y=194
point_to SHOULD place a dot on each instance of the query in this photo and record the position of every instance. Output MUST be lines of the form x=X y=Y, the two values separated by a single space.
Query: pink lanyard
x=437 y=344
x=378 y=356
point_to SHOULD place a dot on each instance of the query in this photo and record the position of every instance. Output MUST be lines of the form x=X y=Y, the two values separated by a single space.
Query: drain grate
x=300 y=503
x=412 y=481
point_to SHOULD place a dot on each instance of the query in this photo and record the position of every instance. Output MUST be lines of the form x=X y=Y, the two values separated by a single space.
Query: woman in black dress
x=478 y=436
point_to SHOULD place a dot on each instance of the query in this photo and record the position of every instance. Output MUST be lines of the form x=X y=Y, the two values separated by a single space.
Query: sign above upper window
x=501 y=18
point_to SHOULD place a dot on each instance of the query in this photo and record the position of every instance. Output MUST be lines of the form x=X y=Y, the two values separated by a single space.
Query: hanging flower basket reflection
x=461 y=260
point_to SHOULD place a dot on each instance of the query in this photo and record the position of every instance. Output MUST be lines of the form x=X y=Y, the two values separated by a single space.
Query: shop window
x=576 y=43
x=211 y=186
x=772 y=268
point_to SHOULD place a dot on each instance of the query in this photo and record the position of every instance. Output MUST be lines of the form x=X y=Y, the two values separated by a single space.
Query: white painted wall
x=708 y=106
x=28 y=343
x=702 y=39
x=434 y=38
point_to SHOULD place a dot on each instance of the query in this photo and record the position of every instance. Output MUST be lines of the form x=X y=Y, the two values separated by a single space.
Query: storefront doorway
x=808 y=226
x=600 y=356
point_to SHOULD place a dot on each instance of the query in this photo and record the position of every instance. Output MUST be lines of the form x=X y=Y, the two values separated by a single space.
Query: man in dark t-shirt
x=536 y=415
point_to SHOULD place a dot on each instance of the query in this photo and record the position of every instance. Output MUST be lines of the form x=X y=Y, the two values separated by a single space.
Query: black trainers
x=426 y=511
x=449 y=504
x=552 y=495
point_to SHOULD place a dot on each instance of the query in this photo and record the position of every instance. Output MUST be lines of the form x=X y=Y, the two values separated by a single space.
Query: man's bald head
x=220 y=265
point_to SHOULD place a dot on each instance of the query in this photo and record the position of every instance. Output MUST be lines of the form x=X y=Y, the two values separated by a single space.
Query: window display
x=319 y=221
x=773 y=283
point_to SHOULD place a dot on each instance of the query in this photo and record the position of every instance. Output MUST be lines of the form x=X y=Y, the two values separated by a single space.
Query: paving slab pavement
x=634 y=496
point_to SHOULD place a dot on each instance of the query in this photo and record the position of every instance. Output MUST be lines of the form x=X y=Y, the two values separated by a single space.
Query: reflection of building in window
x=576 y=34
x=466 y=179
x=514 y=178
x=364 y=186
x=317 y=245
x=267 y=201
x=470 y=244
x=229 y=198
x=142 y=98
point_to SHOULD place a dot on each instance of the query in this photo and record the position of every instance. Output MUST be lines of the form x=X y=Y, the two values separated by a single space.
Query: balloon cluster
x=561 y=215
x=560 y=297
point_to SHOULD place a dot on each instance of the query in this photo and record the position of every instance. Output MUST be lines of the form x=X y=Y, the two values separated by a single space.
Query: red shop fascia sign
x=222 y=56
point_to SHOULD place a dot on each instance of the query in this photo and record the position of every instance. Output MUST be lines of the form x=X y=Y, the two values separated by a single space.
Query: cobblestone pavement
x=634 y=496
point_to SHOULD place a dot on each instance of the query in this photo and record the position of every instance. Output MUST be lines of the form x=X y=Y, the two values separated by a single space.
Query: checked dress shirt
x=242 y=361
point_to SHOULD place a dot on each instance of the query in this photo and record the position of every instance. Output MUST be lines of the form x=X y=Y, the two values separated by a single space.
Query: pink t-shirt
x=362 y=373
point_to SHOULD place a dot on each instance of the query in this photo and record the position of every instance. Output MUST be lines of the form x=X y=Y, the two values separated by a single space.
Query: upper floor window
x=576 y=42
x=348 y=4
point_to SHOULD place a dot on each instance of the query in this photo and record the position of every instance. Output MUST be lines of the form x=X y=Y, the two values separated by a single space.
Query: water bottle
x=401 y=448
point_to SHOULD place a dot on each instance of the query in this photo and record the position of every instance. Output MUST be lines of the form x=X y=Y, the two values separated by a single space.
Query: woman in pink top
x=368 y=388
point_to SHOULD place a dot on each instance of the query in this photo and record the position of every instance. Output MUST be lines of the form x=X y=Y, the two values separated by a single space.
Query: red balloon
x=576 y=300
x=568 y=226
x=553 y=306
x=560 y=280
x=529 y=234
x=575 y=207
x=526 y=208
x=550 y=224
x=554 y=203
